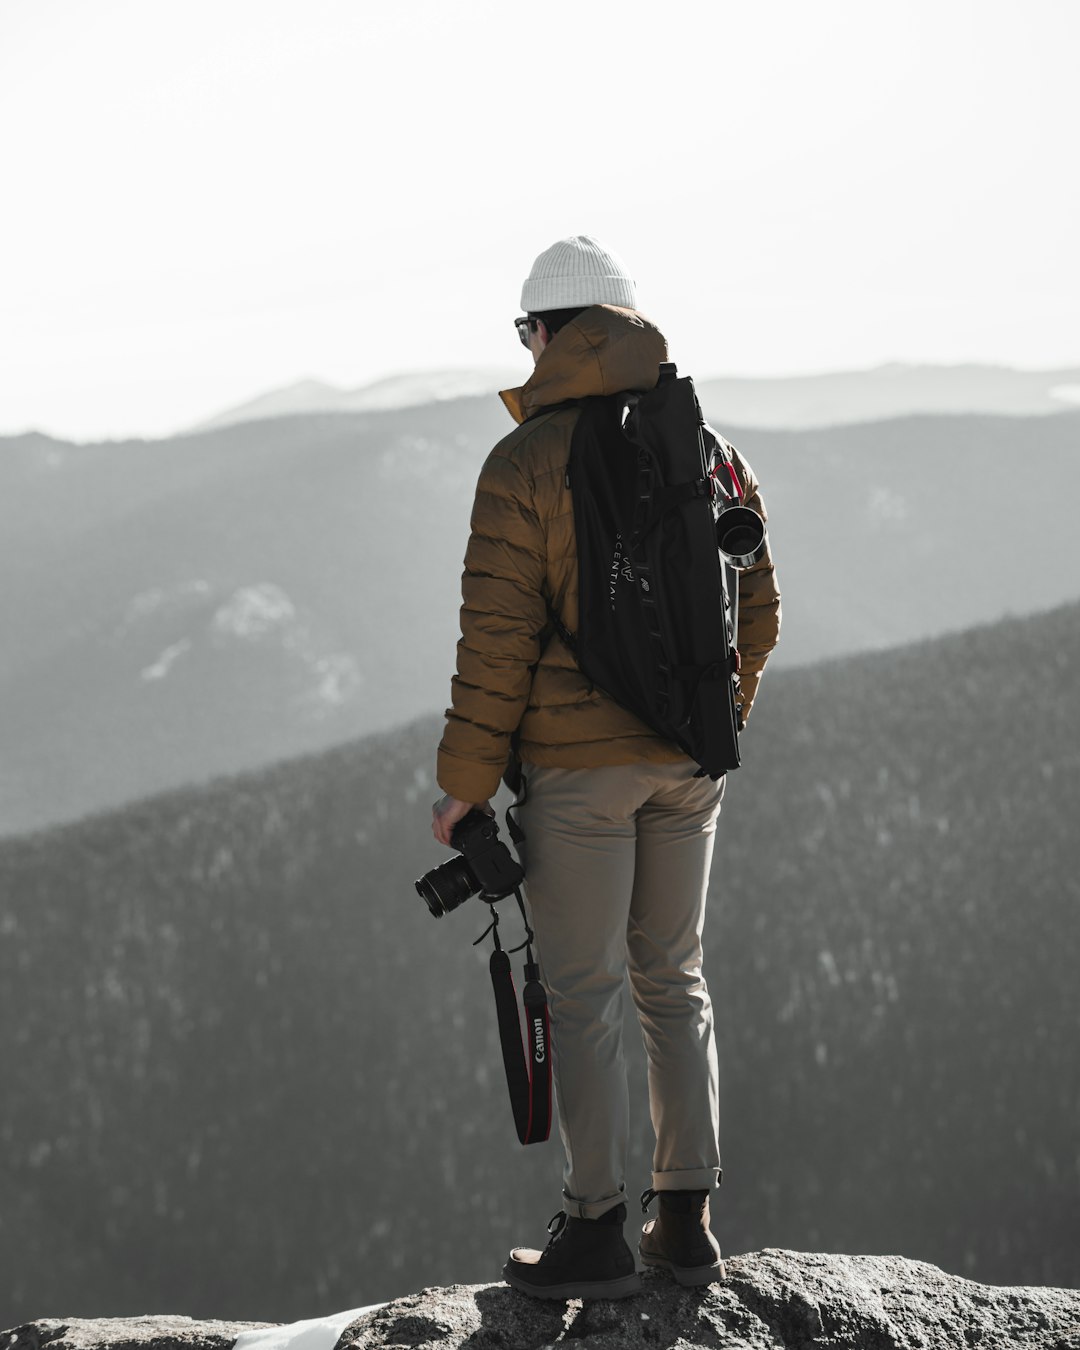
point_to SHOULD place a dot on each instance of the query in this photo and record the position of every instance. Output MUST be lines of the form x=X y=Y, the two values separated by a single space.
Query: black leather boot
x=680 y=1239
x=586 y=1258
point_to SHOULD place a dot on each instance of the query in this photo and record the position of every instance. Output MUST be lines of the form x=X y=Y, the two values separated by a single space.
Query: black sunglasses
x=524 y=325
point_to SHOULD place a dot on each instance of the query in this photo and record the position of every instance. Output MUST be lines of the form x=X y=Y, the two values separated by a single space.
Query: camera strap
x=527 y=1079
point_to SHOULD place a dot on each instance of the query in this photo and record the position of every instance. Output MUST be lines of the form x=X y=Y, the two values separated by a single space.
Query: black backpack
x=655 y=497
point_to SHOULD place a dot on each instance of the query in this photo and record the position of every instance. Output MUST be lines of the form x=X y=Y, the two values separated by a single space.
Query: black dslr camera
x=486 y=867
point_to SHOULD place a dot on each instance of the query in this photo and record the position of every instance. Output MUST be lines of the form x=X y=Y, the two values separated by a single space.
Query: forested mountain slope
x=247 y=1075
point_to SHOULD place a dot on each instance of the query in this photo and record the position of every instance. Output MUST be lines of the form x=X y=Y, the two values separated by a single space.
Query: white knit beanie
x=576 y=272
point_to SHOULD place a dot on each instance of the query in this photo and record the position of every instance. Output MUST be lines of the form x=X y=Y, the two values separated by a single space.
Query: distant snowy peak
x=406 y=391
x=394 y=391
x=895 y=389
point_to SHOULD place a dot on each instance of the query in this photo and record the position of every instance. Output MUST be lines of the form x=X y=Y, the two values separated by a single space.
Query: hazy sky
x=203 y=199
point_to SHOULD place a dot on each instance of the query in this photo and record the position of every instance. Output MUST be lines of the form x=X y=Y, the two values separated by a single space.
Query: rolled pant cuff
x=689 y=1179
x=592 y=1209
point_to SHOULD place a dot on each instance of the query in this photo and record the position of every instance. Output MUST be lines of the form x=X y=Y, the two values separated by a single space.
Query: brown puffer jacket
x=521 y=558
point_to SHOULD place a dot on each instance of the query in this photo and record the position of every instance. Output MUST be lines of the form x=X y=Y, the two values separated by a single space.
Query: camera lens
x=447 y=886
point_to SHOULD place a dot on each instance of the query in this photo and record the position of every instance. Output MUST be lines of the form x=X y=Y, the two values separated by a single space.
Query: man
x=619 y=829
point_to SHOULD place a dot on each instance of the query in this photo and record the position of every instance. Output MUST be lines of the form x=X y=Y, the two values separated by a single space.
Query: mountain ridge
x=404 y=390
x=830 y=398
x=771 y=402
x=354 y=526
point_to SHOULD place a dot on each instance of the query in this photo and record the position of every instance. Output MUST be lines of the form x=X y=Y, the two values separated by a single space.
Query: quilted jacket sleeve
x=759 y=598
x=502 y=617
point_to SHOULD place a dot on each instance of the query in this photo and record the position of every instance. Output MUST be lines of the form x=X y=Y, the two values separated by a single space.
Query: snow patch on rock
x=158 y=669
x=336 y=678
x=253 y=612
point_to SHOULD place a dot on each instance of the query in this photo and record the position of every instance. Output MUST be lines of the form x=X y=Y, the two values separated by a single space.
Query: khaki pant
x=617 y=864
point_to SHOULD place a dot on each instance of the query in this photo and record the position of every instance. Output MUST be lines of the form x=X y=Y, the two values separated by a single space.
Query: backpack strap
x=672 y=495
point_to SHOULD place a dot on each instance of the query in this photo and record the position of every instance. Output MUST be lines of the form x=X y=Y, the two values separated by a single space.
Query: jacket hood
x=605 y=350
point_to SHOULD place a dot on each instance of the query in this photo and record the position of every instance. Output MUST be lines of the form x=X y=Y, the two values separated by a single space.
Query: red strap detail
x=726 y=463
x=734 y=479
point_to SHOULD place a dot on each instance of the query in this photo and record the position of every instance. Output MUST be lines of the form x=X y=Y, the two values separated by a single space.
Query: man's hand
x=446 y=813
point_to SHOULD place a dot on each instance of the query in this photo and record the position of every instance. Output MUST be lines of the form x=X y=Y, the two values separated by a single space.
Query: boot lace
x=555 y=1227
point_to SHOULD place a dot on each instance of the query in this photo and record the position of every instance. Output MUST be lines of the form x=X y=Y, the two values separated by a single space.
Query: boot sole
x=620 y=1288
x=687 y=1275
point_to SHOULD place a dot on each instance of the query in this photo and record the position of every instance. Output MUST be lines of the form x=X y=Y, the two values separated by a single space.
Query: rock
x=771 y=1300
x=163 y=1332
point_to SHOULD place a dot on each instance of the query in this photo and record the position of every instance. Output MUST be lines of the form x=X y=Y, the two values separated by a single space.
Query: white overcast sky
x=204 y=199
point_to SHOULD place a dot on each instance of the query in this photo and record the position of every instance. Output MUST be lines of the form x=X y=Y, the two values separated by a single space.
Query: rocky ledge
x=771 y=1300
